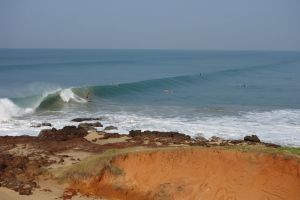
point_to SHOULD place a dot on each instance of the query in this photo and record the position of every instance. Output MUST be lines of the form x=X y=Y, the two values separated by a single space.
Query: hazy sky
x=144 y=24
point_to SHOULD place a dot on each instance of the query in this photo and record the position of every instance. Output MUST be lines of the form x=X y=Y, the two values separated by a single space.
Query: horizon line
x=163 y=49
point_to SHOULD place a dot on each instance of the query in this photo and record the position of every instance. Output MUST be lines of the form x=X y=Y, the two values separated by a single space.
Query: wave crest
x=68 y=95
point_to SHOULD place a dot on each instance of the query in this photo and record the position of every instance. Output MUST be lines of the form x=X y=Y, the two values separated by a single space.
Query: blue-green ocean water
x=224 y=93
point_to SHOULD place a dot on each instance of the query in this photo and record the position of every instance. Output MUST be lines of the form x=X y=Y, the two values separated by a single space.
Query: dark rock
x=2 y=166
x=46 y=124
x=19 y=172
x=85 y=119
x=66 y=133
x=41 y=124
x=111 y=135
x=89 y=126
x=157 y=134
x=199 y=137
x=108 y=128
x=252 y=138
x=271 y=145
x=236 y=141
x=216 y=139
x=25 y=189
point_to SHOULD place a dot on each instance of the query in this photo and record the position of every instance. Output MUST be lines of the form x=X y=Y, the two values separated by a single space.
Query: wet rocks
x=216 y=139
x=252 y=138
x=108 y=128
x=41 y=125
x=90 y=126
x=66 y=133
x=200 y=137
x=85 y=119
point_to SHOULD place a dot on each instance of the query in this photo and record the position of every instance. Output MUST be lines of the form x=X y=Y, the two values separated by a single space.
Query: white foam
x=278 y=126
x=281 y=126
x=8 y=109
x=68 y=95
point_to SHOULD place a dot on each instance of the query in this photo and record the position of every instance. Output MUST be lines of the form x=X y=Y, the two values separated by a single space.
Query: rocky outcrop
x=158 y=134
x=159 y=138
x=66 y=133
x=108 y=128
x=90 y=126
x=19 y=172
x=252 y=138
x=81 y=119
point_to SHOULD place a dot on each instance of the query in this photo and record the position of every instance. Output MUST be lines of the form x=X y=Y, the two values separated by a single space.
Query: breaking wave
x=15 y=107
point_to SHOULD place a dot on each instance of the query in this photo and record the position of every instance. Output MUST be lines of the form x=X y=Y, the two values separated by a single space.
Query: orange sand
x=189 y=174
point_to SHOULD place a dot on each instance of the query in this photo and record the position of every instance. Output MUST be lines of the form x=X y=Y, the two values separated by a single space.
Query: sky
x=151 y=24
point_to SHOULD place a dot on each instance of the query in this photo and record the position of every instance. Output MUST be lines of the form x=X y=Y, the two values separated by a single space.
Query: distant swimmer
x=167 y=91
x=244 y=85
x=114 y=83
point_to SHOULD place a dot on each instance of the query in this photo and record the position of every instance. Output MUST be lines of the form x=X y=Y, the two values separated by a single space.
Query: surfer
x=167 y=91
x=88 y=96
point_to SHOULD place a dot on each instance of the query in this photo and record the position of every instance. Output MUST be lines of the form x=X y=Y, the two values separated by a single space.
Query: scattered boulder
x=41 y=125
x=25 y=189
x=200 y=137
x=216 y=139
x=69 y=193
x=111 y=135
x=89 y=126
x=235 y=142
x=108 y=128
x=85 y=119
x=66 y=133
x=252 y=138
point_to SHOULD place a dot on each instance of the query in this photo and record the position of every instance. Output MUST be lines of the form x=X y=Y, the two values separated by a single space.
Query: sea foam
x=8 y=109
x=68 y=95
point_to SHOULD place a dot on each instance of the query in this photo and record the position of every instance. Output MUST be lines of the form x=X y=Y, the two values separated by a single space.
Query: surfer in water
x=244 y=85
x=167 y=91
x=88 y=97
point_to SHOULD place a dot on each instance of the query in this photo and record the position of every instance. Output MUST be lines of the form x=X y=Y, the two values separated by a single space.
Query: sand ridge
x=198 y=174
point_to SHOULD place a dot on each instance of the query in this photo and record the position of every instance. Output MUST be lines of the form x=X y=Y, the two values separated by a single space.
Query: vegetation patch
x=93 y=165
x=289 y=150
x=264 y=149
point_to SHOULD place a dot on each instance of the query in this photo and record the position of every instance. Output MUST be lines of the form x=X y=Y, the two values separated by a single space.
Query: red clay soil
x=197 y=174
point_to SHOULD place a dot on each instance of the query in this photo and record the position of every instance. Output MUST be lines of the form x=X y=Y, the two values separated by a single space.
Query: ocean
x=228 y=94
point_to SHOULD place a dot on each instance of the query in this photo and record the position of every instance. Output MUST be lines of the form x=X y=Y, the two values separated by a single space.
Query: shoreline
x=57 y=162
